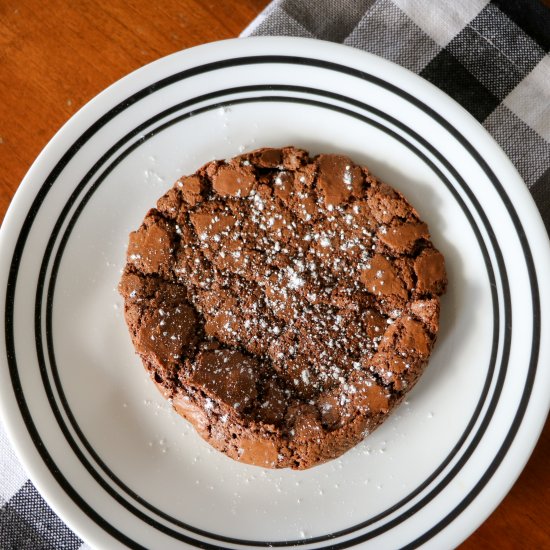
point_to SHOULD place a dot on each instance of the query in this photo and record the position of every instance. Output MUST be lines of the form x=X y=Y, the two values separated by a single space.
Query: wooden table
x=55 y=56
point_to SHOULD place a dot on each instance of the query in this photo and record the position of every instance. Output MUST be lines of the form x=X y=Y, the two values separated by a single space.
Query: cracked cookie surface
x=284 y=303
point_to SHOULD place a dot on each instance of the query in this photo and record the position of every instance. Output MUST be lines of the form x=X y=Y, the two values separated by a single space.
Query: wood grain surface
x=56 y=55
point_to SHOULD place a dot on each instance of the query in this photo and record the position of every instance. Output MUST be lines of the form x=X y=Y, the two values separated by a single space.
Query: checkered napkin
x=491 y=57
x=26 y=521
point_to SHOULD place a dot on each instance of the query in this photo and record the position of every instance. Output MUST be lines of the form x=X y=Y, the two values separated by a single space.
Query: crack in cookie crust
x=284 y=303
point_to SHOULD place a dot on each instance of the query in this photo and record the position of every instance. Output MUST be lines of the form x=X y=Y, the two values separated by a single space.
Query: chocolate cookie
x=283 y=303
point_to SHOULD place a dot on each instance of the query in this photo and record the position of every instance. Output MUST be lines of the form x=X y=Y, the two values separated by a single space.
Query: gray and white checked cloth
x=491 y=57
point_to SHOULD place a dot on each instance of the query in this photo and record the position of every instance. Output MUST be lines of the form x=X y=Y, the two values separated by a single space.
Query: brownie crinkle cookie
x=284 y=303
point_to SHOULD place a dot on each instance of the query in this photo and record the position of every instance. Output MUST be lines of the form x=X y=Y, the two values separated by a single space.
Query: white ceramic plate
x=95 y=435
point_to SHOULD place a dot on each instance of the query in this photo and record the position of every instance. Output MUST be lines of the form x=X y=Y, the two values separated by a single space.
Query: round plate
x=96 y=437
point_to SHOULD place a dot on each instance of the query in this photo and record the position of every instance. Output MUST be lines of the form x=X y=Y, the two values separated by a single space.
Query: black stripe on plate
x=185 y=74
x=81 y=206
